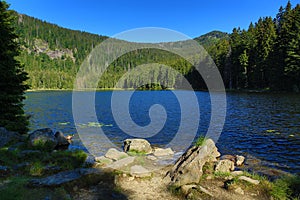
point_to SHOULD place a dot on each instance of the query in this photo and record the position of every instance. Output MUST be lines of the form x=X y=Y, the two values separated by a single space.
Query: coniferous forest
x=266 y=56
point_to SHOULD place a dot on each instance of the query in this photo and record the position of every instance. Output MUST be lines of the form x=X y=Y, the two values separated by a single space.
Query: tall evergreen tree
x=12 y=76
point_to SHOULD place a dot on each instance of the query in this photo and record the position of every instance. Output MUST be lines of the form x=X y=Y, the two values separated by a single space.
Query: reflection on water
x=264 y=127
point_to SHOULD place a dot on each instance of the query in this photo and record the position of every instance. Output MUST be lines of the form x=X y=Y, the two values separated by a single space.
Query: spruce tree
x=12 y=76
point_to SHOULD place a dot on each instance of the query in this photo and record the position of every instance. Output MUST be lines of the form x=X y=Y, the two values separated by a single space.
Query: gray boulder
x=61 y=139
x=114 y=154
x=7 y=137
x=43 y=137
x=76 y=177
x=188 y=168
x=121 y=164
x=137 y=145
x=163 y=152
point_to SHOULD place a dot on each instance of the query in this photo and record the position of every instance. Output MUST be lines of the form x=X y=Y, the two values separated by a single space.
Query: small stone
x=186 y=188
x=250 y=180
x=209 y=177
x=239 y=160
x=153 y=158
x=139 y=171
x=163 y=152
x=237 y=173
x=191 y=196
x=239 y=190
x=103 y=160
x=202 y=189
x=131 y=178
x=75 y=188
x=228 y=157
x=4 y=171
x=121 y=163
x=224 y=166
x=114 y=154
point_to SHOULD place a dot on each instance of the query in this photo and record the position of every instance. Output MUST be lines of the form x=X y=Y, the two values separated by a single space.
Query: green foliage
x=36 y=169
x=136 y=153
x=65 y=160
x=200 y=141
x=12 y=76
x=265 y=56
x=286 y=187
x=41 y=145
x=16 y=189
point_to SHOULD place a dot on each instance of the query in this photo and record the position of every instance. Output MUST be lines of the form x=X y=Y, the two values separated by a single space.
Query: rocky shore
x=139 y=171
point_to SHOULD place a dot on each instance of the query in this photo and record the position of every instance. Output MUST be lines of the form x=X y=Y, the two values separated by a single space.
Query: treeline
x=266 y=56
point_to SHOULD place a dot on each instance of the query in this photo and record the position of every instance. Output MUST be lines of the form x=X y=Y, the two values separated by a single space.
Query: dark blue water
x=261 y=126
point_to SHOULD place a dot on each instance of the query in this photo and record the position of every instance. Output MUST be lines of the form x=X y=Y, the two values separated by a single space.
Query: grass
x=16 y=188
x=65 y=160
x=287 y=187
x=200 y=141
x=136 y=153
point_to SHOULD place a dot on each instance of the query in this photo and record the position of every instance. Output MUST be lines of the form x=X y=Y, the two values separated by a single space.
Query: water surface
x=263 y=127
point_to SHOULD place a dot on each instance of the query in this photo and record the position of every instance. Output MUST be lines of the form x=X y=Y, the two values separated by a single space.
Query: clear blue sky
x=109 y=17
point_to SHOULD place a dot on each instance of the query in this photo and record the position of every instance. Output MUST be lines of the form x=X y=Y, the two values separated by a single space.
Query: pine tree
x=12 y=76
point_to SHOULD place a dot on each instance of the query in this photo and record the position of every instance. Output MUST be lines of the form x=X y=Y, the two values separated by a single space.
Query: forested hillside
x=265 y=56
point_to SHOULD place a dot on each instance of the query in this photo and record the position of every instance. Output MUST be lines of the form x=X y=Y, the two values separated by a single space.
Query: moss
x=199 y=141
x=36 y=169
x=136 y=153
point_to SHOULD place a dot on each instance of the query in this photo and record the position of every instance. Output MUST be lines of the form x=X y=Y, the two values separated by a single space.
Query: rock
x=7 y=137
x=103 y=160
x=137 y=145
x=249 y=180
x=114 y=154
x=4 y=171
x=68 y=177
x=43 y=138
x=224 y=166
x=202 y=189
x=153 y=158
x=121 y=163
x=239 y=160
x=139 y=171
x=25 y=153
x=163 y=152
x=188 y=168
x=61 y=139
x=185 y=189
x=228 y=157
x=237 y=173
x=239 y=190
x=15 y=146
x=21 y=166
x=89 y=161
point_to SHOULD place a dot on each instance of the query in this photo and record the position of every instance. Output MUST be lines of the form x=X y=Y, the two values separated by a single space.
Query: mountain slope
x=52 y=55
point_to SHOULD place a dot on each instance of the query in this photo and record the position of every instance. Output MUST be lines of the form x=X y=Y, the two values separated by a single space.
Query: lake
x=263 y=127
